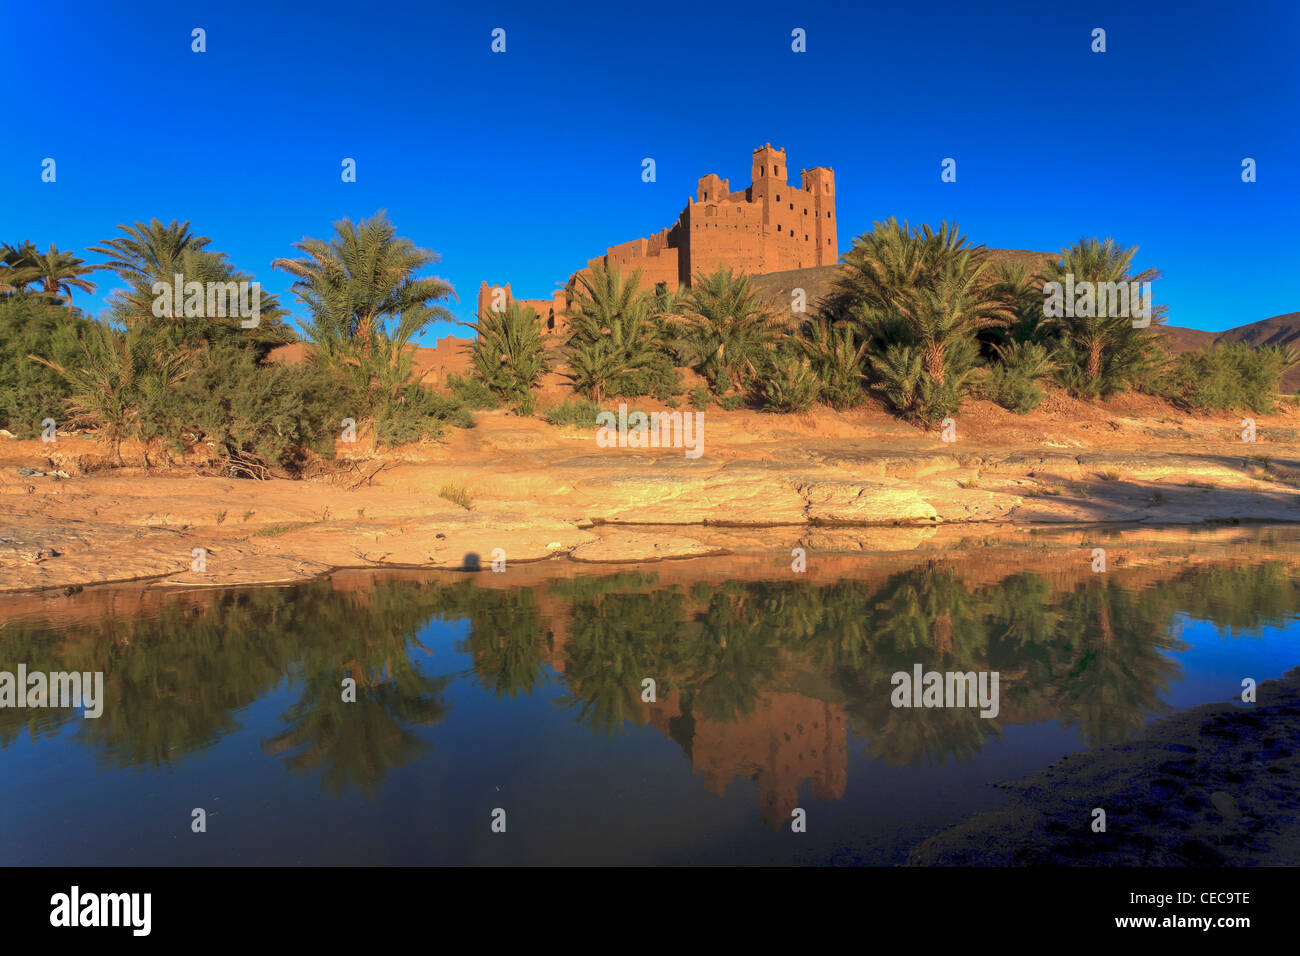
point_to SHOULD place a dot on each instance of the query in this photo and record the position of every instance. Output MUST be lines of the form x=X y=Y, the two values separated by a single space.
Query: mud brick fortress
x=770 y=226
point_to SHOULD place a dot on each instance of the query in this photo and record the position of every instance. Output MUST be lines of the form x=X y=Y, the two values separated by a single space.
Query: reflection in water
x=757 y=680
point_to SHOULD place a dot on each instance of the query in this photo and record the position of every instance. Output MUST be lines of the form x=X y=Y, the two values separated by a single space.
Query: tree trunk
x=934 y=362
x=1094 y=362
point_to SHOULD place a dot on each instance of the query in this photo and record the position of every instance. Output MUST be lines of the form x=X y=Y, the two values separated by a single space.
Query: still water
x=771 y=695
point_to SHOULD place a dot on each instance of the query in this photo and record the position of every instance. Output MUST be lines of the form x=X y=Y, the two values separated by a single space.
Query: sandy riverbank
x=537 y=491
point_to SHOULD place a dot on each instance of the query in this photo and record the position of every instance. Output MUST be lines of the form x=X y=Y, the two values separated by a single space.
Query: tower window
x=791 y=205
x=778 y=197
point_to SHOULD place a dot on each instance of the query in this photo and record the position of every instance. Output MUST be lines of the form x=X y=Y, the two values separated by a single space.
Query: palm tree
x=151 y=251
x=1020 y=290
x=18 y=267
x=838 y=358
x=61 y=272
x=920 y=286
x=731 y=329
x=362 y=279
x=1105 y=351
x=918 y=297
x=612 y=332
x=507 y=352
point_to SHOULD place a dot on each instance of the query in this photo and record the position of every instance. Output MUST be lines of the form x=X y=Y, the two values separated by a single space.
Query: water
x=771 y=695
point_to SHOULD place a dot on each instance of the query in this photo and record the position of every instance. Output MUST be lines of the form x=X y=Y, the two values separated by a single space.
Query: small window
x=778 y=228
x=791 y=205
x=828 y=214
x=778 y=197
x=805 y=238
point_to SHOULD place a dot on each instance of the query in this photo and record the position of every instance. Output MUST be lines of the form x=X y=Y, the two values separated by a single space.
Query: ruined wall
x=552 y=311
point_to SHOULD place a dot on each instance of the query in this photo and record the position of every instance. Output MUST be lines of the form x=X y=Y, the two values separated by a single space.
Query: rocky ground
x=538 y=491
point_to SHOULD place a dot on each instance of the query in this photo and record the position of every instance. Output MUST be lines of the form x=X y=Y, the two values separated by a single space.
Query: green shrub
x=573 y=411
x=699 y=397
x=901 y=377
x=419 y=414
x=1225 y=377
x=30 y=391
x=472 y=393
x=658 y=377
x=261 y=417
x=507 y=354
x=1012 y=382
x=790 y=385
x=838 y=359
x=729 y=403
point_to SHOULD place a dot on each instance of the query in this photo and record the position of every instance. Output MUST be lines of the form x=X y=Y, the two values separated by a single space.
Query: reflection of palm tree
x=616 y=641
x=734 y=659
x=175 y=681
x=359 y=743
x=506 y=640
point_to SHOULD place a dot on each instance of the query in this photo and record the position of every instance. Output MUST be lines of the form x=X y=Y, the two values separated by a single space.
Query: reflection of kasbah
x=770 y=226
x=787 y=739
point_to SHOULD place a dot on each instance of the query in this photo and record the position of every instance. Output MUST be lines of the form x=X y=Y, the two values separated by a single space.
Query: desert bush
x=457 y=494
x=573 y=411
x=658 y=377
x=472 y=392
x=29 y=390
x=114 y=379
x=790 y=385
x=262 y=418
x=700 y=398
x=1012 y=381
x=838 y=359
x=1230 y=376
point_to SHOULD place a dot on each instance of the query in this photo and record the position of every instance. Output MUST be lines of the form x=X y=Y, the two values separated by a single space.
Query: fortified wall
x=770 y=226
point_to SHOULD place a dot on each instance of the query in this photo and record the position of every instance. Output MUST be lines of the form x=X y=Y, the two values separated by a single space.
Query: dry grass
x=457 y=495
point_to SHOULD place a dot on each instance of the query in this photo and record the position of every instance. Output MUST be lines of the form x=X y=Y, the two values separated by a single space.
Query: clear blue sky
x=521 y=166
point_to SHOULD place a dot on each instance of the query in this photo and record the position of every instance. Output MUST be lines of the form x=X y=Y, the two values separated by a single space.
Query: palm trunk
x=1094 y=362
x=934 y=367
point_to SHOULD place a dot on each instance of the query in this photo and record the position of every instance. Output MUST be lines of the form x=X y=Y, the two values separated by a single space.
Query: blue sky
x=520 y=166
